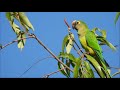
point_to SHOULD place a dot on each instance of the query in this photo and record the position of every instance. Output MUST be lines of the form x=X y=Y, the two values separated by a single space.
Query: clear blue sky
x=51 y=29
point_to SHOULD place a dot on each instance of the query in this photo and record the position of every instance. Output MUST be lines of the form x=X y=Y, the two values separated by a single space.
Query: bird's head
x=78 y=25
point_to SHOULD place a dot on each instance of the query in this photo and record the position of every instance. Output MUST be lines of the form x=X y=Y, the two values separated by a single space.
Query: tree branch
x=14 y=42
x=78 y=52
x=34 y=36
x=46 y=76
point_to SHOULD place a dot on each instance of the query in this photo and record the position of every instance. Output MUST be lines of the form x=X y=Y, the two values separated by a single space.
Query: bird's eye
x=78 y=22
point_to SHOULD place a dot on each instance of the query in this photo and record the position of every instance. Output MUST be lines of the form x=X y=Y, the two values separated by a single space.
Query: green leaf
x=60 y=66
x=25 y=20
x=15 y=28
x=103 y=32
x=89 y=69
x=116 y=18
x=94 y=29
x=68 y=56
x=21 y=42
x=96 y=65
x=104 y=41
x=68 y=64
x=64 y=42
x=72 y=59
x=72 y=63
x=8 y=15
x=75 y=71
x=111 y=46
x=76 y=68
x=64 y=72
x=26 y=27
x=69 y=45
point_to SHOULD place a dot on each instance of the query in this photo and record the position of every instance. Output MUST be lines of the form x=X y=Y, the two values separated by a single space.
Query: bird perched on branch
x=89 y=41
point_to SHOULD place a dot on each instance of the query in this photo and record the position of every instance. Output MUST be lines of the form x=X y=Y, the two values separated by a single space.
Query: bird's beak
x=73 y=24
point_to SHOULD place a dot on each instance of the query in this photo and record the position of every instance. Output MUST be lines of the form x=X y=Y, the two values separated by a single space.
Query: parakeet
x=89 y=41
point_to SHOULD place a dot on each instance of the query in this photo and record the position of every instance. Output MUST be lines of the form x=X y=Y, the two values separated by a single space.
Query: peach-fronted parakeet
x=89 y=41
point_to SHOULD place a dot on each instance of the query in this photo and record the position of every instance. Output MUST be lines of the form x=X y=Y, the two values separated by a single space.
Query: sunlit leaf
x=21 y=40
x=68 y=56
x=104 y=41
x=96 y=65
x=103 y=33
x=69 y=45
x=94 y=30
x=89 y=69
x=76 y=68
x=64 y=42
x=26 y=27
x=111 y=46
x=15 y=28
x=75 y=71
x=25 y=20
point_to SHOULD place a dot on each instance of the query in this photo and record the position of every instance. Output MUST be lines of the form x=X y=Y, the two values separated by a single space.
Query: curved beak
x=73 y=24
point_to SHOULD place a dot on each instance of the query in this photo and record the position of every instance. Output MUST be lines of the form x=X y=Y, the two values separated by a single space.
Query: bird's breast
x=85 y=45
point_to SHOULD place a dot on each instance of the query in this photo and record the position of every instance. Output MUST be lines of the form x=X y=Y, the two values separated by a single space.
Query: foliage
x=21 y=33
x=84 y=66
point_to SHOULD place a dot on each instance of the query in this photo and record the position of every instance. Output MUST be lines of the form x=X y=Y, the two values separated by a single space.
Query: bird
x=89 y=42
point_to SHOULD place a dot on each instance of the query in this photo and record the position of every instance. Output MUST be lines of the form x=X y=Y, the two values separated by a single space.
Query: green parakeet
x=89 y=41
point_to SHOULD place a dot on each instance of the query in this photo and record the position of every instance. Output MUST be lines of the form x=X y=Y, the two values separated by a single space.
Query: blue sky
x=51 y=29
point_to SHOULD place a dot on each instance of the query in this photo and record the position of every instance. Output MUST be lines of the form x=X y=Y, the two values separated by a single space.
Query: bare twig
x=34 y=36
x=78 y=52
x=115 y=67
x=14 y=42
x=47 y=76
x=67 y=24
x=34 y=65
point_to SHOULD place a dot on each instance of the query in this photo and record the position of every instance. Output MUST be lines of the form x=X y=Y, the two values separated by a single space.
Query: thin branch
x=47 y=76
x=67 y=24
x=115 y=67
x=34 y=36
x=78 y=52
x=116 y=73
x=14 y=42
x=34 y=65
